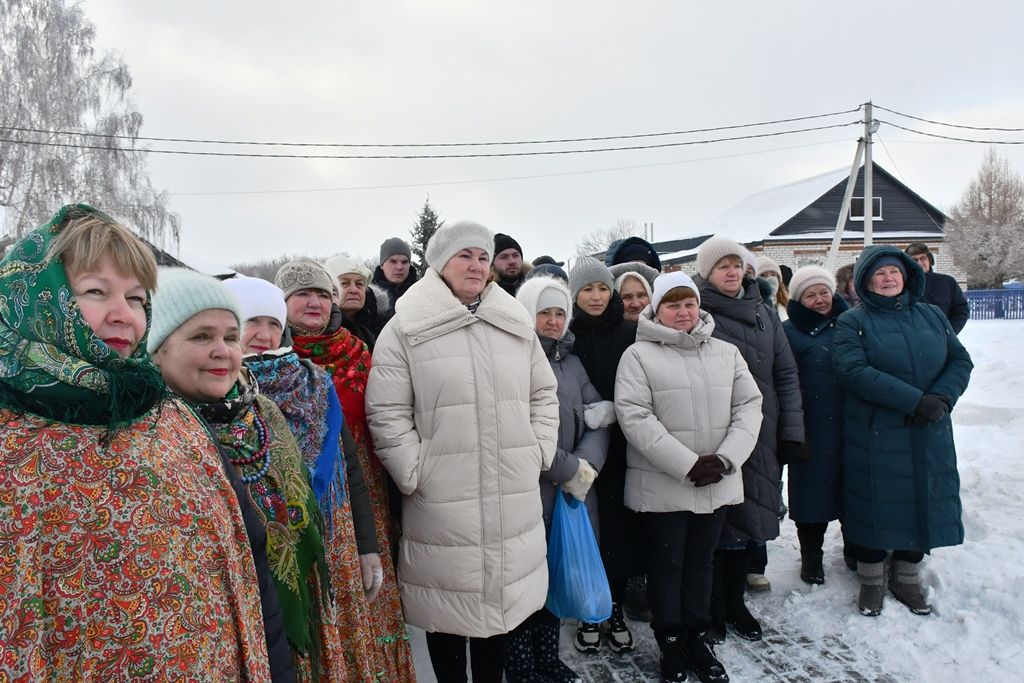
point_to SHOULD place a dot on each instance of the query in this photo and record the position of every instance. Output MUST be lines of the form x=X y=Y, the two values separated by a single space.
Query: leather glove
x=581 y=482
x=930 y=409
x=600 y=414
x=372 y=574
x=708 y=470
x=791 y=451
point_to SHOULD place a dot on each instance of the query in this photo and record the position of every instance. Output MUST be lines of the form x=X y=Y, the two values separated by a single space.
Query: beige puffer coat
x=464 y=416
x=677 y=396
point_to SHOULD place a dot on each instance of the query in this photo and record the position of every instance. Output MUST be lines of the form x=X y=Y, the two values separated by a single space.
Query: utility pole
x=870 y=127
x=844 y=210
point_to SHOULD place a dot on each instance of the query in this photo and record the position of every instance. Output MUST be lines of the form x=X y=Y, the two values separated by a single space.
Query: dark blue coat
x=816 y=484
x=901 y=490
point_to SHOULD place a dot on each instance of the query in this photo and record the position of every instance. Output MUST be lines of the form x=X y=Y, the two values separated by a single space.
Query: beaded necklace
x=250 y=421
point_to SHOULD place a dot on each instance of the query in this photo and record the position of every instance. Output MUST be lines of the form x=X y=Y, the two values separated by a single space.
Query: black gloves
x=708 y=470
x=790 y=451
x=930 y=409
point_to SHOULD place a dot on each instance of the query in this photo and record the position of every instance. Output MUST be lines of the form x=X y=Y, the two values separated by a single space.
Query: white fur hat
x=452 y=238
x=669 y=281
x=342 y=265
x=809 y=276
x=714 y=250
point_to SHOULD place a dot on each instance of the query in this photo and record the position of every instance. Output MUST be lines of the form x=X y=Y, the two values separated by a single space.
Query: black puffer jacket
x=600 y=343
x=756 y=330
x=942 y=290
x=393 y=291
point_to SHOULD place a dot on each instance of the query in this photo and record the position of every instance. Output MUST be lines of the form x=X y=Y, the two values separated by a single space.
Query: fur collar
x=429 y=310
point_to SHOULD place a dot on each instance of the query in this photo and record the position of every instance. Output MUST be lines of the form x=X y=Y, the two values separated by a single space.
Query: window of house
x=857 y=209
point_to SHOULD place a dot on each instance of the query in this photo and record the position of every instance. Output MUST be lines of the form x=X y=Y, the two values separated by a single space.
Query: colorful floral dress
x=262 y=449
x=123 y=554
x=347 y=361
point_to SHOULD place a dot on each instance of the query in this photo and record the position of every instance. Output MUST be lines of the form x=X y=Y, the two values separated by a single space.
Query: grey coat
x=576 y=441
x=755 y=329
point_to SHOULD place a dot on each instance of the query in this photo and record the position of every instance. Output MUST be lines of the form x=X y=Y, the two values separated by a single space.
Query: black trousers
x=680 y=549
x=448 y=657
x=871 y=556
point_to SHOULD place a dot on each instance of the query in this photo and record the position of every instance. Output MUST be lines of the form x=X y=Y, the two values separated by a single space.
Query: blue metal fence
x=992 y=304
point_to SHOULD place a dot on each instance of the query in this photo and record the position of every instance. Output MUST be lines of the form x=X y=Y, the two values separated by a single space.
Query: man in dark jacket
x=395 y=275
x=508 y=267
x=939 y=289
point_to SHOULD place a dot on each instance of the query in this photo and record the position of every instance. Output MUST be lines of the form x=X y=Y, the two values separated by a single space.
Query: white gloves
x=581 y=482
x=600 y=414
x=373 y=575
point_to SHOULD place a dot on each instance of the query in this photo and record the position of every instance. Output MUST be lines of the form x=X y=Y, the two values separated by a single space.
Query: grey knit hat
x=588 y=269
x=713 y=251
x=808 y=276
x=181 y=294
x=764 y=264
x=452 y=238
x=393 y=246
x=303 y=273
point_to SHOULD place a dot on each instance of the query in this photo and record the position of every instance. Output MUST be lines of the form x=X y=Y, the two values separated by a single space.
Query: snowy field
x=976 y=633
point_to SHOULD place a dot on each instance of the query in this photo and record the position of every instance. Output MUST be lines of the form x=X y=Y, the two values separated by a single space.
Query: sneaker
x=701 y=660
x=811 y=569
x=588 y=638
x=615 y=630
x=758 y=583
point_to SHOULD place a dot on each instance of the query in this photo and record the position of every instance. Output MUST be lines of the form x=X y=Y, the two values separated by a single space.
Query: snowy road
x=976 y=632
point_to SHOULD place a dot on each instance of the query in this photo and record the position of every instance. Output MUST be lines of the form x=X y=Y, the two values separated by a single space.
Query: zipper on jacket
x=760 y=323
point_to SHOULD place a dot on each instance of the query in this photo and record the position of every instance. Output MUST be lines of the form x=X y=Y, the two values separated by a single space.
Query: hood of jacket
x=612 y=256
x=429 y=310
x=913 y=287
x=641 y=269
x=531 y=291
x=649 y=329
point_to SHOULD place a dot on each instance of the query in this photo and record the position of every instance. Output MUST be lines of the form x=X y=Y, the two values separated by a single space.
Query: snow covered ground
x=976 y=632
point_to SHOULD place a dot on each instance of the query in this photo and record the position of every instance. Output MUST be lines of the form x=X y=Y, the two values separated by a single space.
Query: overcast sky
x=457 y=71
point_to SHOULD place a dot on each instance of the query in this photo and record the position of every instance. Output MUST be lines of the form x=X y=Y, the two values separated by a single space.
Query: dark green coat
x=901 y=488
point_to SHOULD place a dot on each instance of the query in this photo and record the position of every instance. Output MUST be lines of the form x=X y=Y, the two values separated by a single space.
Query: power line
x=253 y=155
x=500 y=179
x=430 y=144
x=950 y=137
x=949 y=125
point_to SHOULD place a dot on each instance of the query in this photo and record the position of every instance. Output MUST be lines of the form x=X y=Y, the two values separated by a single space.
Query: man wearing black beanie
x=509 y=269
x=939 y=289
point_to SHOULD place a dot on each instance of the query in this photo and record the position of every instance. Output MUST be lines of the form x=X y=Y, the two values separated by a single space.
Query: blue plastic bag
x=577 y=585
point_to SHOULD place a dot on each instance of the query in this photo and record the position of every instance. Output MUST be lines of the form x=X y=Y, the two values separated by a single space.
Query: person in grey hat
x=463 y=409
x=602 y=335
x=395 y=274
x=940 y=289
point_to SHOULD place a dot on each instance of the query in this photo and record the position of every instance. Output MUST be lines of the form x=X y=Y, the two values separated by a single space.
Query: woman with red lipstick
x=195 y=341
x=371 y=628
x=146 y=534
x=602 y=335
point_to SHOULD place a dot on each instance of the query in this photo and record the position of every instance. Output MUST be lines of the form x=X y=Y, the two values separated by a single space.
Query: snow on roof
x=205 y=266
x=756 y=216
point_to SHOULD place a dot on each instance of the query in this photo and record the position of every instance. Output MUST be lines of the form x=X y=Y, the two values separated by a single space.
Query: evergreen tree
x=60 y=96
x=427 y=224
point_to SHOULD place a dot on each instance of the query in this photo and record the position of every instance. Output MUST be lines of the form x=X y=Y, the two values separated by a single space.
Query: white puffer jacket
x=464 y=415
x=678 y=396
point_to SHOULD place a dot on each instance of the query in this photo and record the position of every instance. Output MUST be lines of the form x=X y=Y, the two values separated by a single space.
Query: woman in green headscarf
x=123 y=551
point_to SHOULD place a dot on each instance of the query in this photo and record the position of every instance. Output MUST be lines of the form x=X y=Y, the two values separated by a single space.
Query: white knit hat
x=621 y=280
x=340 y=265
x=259 y=298
x=303 y=273
x=766 y=265
x=451 y=238
x=809 y=276
x=714 y=250
x=181 y=294
x=588 y=269
x=538 y=293
x=669 y=281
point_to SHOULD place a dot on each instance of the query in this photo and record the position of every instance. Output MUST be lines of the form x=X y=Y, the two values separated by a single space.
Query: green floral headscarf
x=51 y=362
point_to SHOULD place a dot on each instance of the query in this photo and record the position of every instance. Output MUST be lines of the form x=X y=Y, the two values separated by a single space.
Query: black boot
x=673 y=656
x=811 y=569
x=545 y=649
x=812 y=541
x=716 y=632
x=701 y=660
x=736 y=613
x=635 y=603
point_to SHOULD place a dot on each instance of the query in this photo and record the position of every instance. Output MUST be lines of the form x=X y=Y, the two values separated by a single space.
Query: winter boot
x=615 y=630
x=673 y=658
x=701 y=660
x=545 y=649
x=588 y=638
x=736 y=613
x=872 y=587
x=716 y=632
x=905 y=585
x=758 y=583
x=635 y=603
x=811 y=569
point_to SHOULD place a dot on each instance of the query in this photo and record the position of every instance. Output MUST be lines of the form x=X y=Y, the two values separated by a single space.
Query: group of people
x=246 y=480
